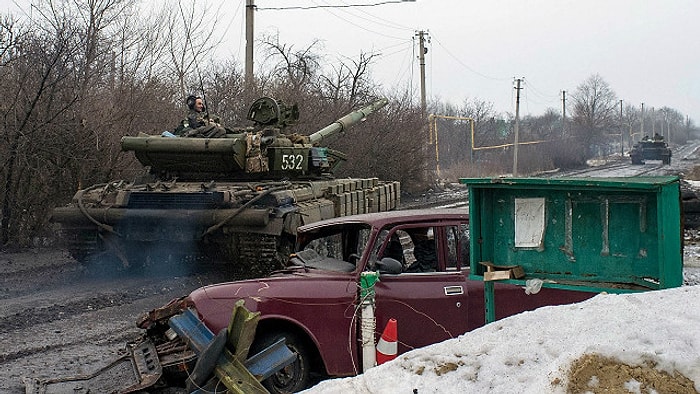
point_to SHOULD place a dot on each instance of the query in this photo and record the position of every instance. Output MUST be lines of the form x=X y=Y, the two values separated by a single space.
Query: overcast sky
x=647 y=51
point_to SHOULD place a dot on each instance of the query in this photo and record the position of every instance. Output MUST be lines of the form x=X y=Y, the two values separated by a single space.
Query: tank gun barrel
x=347 y=121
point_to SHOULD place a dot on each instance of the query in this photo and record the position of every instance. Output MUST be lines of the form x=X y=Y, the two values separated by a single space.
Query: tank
x=650 y=149
x=237 y=198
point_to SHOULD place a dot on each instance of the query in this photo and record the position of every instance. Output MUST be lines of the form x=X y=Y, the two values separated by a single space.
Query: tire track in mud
x=47 y=314
x=117 y=340
x=59 y=318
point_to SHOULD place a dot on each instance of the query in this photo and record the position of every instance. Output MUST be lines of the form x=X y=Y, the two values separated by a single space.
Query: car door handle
x=453 y=290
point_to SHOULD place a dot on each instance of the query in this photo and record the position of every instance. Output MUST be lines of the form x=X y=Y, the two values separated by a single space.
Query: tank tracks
x=255 y=255
x=258 y=254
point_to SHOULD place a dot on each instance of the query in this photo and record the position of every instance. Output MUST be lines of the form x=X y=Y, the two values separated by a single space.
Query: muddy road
x=59 y=319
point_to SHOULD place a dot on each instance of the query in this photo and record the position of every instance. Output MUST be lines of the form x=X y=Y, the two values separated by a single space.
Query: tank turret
x=263 y=151
x=237 y=198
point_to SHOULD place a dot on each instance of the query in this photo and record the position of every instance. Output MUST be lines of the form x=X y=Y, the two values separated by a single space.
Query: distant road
x=684 y=159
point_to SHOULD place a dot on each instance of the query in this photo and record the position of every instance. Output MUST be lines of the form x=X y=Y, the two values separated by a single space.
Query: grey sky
x=647 y=51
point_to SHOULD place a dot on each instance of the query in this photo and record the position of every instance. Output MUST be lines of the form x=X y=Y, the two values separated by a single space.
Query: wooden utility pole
x=422 y=50
x=622 y=136
x=641 y=132
x=563 y=112
x=517 y=126
x=423 y=106
x=249 y=13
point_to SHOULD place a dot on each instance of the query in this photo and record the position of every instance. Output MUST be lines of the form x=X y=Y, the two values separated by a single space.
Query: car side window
x=457 y=246
x=414 y=247
x=424 y=250
x=363 y=235
x=399 y=247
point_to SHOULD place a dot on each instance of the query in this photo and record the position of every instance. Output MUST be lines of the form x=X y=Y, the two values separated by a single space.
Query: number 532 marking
x=292 y=162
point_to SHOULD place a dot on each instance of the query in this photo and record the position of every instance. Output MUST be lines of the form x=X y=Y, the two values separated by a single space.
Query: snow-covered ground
x=637 y=343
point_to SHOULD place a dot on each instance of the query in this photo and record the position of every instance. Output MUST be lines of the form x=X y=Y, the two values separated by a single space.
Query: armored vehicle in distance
x=651 y=149
x=237 y=198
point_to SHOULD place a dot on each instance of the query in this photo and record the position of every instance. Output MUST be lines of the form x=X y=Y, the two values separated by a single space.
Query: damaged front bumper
x=184 y=348
x=137 y=369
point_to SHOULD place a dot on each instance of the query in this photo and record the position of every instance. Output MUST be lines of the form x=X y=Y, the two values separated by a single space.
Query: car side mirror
x=387 y=265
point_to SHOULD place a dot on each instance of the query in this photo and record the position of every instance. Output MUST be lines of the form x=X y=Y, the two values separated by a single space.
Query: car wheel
x=295 y=376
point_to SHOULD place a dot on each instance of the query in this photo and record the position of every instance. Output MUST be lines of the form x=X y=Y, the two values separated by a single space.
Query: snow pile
x=693 y=184
x=638 y=343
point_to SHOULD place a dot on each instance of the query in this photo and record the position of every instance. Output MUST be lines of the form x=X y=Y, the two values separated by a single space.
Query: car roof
x=381 y=219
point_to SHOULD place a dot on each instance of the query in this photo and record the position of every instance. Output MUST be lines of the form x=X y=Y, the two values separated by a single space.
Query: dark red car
x=422 y=260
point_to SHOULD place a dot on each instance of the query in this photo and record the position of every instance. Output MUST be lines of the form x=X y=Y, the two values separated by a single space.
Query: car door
x=429 y=305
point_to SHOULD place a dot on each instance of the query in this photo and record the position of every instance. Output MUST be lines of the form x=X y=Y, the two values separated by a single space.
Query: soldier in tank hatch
x=198 y=123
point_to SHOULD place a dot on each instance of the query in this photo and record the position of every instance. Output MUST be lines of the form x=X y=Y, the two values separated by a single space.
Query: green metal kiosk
x=587 y=234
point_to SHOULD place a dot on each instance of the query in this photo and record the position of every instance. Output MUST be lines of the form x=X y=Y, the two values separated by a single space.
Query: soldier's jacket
x=198 y=124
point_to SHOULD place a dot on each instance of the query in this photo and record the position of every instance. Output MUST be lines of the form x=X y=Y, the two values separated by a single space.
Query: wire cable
x=549 y=97
x=331 y=6
x=386 y=22
x=342 y=8
x=465 y=65
x=360 y=26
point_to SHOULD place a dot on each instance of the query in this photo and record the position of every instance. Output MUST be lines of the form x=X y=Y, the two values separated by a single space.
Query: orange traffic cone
x=387 y=348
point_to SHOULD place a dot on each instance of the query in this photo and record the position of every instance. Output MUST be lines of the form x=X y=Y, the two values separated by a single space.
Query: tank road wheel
x=91 y=249
x=295 y=376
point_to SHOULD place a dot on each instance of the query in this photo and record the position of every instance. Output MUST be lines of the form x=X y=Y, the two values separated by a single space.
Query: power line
x=400 y=44
x=548 y=97
x=359 y=26
x=384 y=22
x=547 y=100
x=346 y=9
x=332 y=6
x=466 y=66
x=529 y=99
x=379 y=53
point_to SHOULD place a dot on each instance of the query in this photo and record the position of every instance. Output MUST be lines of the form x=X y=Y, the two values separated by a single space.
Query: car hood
x=274 y=296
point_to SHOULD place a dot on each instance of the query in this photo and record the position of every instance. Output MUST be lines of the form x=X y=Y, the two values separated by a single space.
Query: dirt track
x=58 y=319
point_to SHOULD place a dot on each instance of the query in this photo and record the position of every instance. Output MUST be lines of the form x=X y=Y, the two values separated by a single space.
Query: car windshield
x=336 y=248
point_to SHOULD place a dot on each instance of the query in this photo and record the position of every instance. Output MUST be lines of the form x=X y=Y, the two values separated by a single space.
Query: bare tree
x=594 y=113
x=189 y=42
x=227 y=96
x=33 y=77
x=390 y=145
x=293 y=68
x=67 y=107
x=349 y=80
